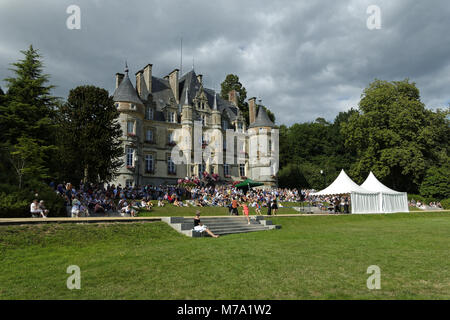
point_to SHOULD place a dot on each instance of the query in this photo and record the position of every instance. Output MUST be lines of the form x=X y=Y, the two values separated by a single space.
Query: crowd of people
x=97 y=199
x=419 y=204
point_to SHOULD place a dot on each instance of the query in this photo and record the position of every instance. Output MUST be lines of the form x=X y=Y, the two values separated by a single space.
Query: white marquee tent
x=342 y=185
x=371 y=197
x=389 y=200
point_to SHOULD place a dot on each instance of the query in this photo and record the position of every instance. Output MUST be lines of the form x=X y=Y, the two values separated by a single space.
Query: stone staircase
x=220 y=225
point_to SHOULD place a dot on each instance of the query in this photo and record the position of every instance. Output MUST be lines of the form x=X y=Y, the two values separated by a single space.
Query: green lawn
x=314 y=257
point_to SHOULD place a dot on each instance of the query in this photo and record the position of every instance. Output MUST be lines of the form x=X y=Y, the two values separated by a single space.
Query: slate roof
x=262 y=119
x=163 y=95
x=125 y=92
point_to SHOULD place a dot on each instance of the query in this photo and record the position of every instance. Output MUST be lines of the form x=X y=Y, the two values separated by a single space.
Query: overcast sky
x=304 y=59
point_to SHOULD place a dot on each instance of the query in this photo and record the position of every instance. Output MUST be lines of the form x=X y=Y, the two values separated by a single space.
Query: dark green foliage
x=89 y=136
x=15 y=202
x=395 y=136
x=27 y=123
x=445 y=204
x=28 y=107
x=436 y=183
x=307 y=148
x=232 y=82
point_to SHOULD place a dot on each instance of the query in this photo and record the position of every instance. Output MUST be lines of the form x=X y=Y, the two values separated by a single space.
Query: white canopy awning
x=373 y=184
x=342 y=185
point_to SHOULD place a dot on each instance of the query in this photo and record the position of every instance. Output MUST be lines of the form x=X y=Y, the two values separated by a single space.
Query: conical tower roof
x=262 y=119
x=125 y=92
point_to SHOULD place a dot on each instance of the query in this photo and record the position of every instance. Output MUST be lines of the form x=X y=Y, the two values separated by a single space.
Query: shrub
x=15 y=203
x=446 y=204
x=436 y=184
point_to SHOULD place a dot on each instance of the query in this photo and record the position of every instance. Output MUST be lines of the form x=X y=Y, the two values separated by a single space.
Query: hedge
x=16 y=203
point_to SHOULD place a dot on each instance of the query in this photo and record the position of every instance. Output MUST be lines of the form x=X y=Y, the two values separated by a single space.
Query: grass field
x=316 y=257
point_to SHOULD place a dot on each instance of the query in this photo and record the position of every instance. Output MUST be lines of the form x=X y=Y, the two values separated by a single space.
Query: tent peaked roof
x=342 y=185
x=374 y=185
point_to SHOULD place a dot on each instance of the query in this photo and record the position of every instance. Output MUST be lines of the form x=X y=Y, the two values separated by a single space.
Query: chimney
x=200 y=79
x=119 y=78
x=148 y=77
x=173 y=81
x=252 y=110
x=233 y=97
x=138 y=82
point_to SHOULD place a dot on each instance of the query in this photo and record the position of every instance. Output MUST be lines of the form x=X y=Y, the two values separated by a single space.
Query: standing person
x=269 y=207
x=234 y=206
x=258 y=208
x=346 y=205
x=274 y=206
x=245 y=209
x=342 y=208
x=336 y=205
x=199 y=227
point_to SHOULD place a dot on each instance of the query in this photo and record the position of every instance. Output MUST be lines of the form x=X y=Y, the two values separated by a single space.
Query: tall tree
x=28 y=107
x=394 y=135
x=27 y=121
x=90 y=148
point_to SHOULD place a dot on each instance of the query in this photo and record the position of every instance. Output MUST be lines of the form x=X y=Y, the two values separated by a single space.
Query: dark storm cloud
x=304 y=59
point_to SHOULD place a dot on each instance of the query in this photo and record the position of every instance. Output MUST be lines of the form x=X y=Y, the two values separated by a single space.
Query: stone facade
x=156 y=110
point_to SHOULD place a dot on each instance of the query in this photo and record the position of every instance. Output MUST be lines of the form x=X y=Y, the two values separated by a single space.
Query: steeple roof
x=125 y=92
x=262 y=119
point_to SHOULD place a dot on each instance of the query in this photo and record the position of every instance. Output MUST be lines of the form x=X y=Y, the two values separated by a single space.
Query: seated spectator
x=177 y=203
x=98 y=208
x=129 y=210
x=42 y=208
x=199 y=227
x=76 y=208
x=35 y=210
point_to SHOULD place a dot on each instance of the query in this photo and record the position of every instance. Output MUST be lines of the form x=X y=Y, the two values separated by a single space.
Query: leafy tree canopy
x=89 y=136
x=394 y=135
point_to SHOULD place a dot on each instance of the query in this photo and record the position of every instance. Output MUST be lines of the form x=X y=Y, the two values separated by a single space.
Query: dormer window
x=117 y=105
x=171 y=116
x=149 y=113
x=133 y=106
